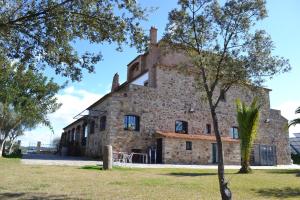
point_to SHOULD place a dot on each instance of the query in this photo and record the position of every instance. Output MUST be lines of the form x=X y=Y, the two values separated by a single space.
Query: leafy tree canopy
x=222 y=42
x=26 y=98
x=39 y=33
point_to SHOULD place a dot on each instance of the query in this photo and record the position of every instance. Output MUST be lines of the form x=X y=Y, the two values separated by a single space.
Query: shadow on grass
x=24 y=195
x=287 y=171
x=115 y=168
x=92 y=167
x=191 y=174
x=13 y=156
x=286 y=192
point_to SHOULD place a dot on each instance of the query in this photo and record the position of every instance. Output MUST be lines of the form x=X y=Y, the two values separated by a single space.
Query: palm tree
x=248 y=121
x=297 y=120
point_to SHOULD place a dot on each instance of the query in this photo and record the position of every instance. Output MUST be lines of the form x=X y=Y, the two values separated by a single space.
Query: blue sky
x=283 y=24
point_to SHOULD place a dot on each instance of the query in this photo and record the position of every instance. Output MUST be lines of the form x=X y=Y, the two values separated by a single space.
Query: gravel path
x=48 y=159
x=134 y=165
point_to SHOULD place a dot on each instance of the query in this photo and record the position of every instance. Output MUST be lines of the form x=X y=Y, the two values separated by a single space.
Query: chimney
x=115 y=83
x=153 y=35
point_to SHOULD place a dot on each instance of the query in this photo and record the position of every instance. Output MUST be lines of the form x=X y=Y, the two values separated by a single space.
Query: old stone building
x=160 y=112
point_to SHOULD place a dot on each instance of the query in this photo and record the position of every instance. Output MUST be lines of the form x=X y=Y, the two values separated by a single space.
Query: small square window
x=131 y=122
x=181 y=127
x=234 y=132
x=188 y=145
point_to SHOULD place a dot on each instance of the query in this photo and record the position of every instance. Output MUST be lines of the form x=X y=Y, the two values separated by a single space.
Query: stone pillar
x=38 y=147
x=107 y=157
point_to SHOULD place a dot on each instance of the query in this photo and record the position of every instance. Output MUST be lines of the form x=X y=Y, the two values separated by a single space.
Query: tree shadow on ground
x=287 y=171
x=283 y=193
x=92 y=167
x=33 y=196
x=191 y=174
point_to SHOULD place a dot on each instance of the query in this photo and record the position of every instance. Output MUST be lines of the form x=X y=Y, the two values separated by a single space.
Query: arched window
x=132 y=122
x=69 y=136
x=77 y=134
x=84 y=134
x=73 y=134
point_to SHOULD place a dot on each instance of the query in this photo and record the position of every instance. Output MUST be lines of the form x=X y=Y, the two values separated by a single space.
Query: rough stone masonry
x=159 y=109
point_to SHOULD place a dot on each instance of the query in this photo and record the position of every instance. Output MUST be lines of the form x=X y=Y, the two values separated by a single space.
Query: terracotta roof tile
x=193 y=136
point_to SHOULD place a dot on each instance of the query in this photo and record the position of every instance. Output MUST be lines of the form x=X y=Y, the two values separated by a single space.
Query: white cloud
x=73 y=102
x=288 y=111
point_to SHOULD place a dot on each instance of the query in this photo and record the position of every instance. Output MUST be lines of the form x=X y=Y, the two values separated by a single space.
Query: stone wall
x=75 y=148
x=97 y=140
x=174 y=152
x=172 y=95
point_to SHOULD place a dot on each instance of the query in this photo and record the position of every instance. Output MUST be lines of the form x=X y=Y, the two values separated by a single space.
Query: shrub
x=16 y=154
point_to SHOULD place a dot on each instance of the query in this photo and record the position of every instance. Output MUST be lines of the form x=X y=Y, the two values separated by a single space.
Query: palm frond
x=297 y=110
x=294 y=122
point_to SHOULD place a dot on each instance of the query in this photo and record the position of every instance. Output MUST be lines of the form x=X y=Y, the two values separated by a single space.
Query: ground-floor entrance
x=159 y=150
x=263 y=154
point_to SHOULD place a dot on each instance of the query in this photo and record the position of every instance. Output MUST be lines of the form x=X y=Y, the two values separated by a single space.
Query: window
x=102 y=123
x=181 y=127
x=234 y=133
x=222 y=95
x=84 y=134
x=69 y=136
x=208 y=129
x=77 y=137
x=73 y=134
x=131 y=122
x=92 y=127
x=135 y=67
x=188 y=145
x=84 y=130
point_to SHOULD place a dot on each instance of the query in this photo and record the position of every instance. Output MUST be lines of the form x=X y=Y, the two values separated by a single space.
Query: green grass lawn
x=57 y=182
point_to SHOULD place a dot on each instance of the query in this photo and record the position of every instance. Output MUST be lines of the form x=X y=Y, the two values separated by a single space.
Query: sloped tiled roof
x=193 y=136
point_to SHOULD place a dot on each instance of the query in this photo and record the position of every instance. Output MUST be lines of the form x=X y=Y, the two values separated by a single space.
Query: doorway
x=267 y=155
x=159 y=151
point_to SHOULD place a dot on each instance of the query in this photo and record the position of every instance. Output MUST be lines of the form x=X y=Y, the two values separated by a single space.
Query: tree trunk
x=245 y=168
x=2 y=148
x=10 y=147
x=224 y=190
